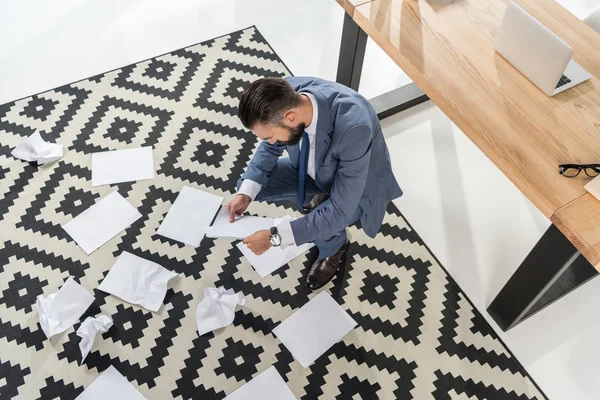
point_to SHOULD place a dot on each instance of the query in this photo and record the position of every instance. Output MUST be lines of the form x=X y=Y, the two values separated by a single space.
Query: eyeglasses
x=572 y=170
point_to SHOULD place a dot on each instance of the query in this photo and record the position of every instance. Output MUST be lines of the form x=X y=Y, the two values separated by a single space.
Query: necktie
x=302 y=170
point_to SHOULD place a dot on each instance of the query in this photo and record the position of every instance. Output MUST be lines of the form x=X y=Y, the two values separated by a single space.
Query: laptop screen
x=532 y=48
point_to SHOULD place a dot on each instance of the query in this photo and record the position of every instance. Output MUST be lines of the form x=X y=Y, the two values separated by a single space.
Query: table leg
x=552 y=269
x=352 y=53
x=398 y=100
x=350 y=63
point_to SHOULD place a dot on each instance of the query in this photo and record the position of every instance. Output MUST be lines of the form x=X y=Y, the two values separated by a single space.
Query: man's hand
x=238 y=205
x=259 y=241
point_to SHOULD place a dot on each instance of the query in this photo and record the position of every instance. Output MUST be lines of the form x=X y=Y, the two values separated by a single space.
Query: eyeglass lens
x=592 y=171
x=570 y=172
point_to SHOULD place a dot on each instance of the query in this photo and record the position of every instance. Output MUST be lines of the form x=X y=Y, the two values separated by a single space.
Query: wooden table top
x=447 y=48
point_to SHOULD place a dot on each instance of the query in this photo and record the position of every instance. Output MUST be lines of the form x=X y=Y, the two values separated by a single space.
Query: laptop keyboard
x=563 y=81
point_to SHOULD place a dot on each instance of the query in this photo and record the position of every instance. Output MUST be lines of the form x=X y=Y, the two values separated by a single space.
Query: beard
x=295 y=135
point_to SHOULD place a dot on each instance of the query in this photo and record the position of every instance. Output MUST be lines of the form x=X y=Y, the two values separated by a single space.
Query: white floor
x=471 y=216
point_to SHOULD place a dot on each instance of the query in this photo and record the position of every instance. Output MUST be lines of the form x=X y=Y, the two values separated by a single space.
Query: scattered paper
x=190 y=216
x=101 y=222
x=111 y=385
x=217 y=309
x=138 y=281
x=314 y=328
x=267 y=386
x=62 y=309
x=274 y=258
x=37 y=149
x=87 y=332
x=240 y=228
x=118 y=166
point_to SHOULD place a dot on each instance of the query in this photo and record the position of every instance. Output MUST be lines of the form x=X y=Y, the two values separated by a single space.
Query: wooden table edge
x=350 y=5
x=566 y=227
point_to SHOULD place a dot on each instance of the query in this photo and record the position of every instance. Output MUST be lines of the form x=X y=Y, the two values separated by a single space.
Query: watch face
x=275 y=239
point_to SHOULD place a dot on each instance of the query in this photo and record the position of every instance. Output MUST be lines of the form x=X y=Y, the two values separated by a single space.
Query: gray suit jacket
x=352 y=162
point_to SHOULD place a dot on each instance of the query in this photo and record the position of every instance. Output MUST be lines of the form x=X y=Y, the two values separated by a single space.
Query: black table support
x=350 y=63
x=552 y=269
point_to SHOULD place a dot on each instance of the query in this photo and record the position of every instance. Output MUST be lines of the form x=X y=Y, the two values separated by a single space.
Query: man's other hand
x=238 y=205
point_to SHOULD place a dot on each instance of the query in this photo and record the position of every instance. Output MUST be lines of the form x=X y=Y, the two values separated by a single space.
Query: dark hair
x=265 y=101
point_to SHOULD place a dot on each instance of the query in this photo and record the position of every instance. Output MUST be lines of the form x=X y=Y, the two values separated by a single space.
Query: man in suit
x=337 y=157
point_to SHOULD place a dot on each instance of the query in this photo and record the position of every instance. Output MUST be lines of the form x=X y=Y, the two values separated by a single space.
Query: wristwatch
x=275 y=237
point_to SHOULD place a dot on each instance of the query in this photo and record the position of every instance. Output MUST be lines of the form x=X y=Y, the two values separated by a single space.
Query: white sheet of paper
x=267 y=386
x=314 y=328
x=62 y=309
x=240 y=228
x=118 y=166
x=138 y=281
x=89 y=329
x=190 y=216
x=272 y=259
x=111 y=385
x=101 y=222
x=37 y=149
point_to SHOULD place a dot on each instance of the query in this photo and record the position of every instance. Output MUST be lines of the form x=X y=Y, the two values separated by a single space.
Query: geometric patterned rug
x=418 y=336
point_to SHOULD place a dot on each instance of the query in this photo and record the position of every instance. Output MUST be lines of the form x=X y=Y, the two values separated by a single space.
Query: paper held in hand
x=242 y=227
x=275 y=257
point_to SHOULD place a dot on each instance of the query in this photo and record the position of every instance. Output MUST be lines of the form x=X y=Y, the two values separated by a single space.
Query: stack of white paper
x=101 y=222
x=267 y=386
x=37 y=149
x=62 y=309
x=314 y=328
x=240 y=228
x=137 y=281
x=87 y=332
x=111 y=385
x=118 y=166
x=190 y=216
x=272 y=259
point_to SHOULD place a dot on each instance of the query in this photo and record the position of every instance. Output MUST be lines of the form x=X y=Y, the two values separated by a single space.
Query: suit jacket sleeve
x=334 y=215
x=264 y=161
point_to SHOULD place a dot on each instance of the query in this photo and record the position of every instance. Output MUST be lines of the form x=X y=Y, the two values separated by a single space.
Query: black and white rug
x=418 y=337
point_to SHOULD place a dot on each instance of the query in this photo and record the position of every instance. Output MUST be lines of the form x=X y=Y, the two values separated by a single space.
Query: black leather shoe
x=323 y=270
x=314 y=203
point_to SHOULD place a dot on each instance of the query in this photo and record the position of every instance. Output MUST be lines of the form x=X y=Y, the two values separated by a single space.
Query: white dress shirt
x=251 y=188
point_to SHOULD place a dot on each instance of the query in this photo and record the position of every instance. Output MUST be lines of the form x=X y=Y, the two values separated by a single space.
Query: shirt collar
x=312 y=128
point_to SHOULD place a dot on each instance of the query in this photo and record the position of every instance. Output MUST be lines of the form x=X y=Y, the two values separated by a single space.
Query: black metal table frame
x=552 y=269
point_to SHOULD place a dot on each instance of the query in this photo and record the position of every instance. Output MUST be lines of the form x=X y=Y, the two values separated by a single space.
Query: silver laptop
x=540 y=55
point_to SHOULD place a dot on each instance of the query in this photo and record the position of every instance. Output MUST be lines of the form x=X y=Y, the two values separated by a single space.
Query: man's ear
x=290 y=118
